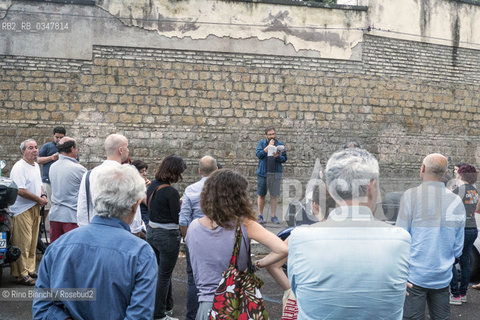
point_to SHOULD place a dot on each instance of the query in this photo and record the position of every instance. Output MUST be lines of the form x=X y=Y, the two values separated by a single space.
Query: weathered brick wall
x=429 y=62
x=399 y=102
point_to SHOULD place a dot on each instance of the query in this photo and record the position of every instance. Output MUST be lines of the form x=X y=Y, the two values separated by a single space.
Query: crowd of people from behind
x=114 y=230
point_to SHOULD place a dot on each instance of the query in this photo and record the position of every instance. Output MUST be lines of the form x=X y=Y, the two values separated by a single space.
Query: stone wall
x=416 y=60
x=395 y=102
x=206 y=76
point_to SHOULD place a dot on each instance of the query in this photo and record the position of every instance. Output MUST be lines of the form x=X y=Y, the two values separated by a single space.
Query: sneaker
x=169 y=312
x=260 y=218
x=455 y=300
x=275 y=220
x=463 y=298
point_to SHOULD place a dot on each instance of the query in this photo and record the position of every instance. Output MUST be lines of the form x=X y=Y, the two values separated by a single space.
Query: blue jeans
x=470 y=236
x=166 y=244
x=192 y=292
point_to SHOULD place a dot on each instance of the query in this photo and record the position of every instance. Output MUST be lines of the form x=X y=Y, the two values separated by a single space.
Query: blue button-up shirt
x=103 y=255
x=435 y=217
x=349 y=267
x=190 y=209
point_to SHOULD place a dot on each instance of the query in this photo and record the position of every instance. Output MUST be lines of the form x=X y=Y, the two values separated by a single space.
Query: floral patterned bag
x=238 y=294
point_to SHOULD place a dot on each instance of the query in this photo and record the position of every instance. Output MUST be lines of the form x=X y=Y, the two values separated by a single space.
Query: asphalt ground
x=21 y=310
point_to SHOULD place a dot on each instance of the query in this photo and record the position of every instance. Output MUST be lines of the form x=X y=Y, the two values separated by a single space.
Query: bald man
x=435 y=218
x=116 y=149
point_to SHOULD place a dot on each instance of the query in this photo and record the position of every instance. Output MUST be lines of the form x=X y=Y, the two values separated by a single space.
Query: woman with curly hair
x=210 y=239
x=163 y=231
x=466 y=177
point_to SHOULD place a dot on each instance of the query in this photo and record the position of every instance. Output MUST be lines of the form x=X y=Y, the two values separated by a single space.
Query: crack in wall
x=4 y=8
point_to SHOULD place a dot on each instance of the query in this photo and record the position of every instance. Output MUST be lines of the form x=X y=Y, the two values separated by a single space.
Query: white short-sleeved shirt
x=26 y=177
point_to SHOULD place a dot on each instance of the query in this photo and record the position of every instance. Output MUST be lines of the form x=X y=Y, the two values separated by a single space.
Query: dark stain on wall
x=455 y=39
x=279 y=23
x=425 y=10
x=189 y=26
x=165 y=25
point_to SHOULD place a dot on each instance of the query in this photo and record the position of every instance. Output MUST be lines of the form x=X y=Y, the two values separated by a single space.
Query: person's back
x=435 y=218
x=192 y=196
x=351 y=266
x=211 y=239
x=210 y=253
x=433 y=215
x=65 y=176
x=361 y=271
x=89 y=260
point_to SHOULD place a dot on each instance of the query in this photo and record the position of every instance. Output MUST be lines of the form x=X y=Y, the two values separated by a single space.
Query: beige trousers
x=25 y=236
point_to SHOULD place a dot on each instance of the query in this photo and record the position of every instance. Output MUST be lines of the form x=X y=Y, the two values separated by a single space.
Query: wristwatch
x=44 y=195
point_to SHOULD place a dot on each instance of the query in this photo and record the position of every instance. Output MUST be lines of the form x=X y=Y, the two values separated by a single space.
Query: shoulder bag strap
x=250 y=266
x=87 y=193
x=153 y=193
x=236 y=246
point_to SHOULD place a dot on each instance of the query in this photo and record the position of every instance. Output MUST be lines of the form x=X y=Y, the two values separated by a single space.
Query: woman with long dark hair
x=163 y=232
x=210 y=239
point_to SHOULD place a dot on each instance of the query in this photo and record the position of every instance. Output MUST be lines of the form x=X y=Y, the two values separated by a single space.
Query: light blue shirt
x=349 y=267
x=103 y=255
x=435 y=218
x=65 y=178
x=190 y=209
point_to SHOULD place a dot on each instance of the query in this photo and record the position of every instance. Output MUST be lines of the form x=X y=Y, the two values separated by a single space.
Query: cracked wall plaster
x=256 y=28
x=309 y=31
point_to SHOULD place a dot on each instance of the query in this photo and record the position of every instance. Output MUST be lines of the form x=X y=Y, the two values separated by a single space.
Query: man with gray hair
x=102 y=256
x=189 y=211
x=435 y=218
x=65 y=176
x=26 y=210
x=351 y=266
x=116 y=148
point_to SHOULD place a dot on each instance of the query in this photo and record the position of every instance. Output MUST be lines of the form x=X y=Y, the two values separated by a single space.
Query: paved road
x=21 y=310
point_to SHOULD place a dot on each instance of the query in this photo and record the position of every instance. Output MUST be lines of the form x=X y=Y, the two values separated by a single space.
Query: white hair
x=116 y=189
x=23 y=145
x=349 y=172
